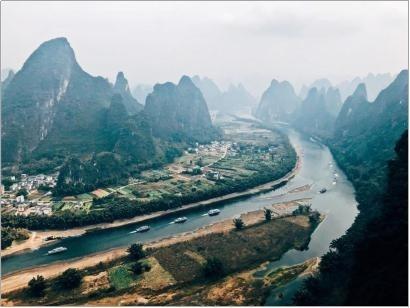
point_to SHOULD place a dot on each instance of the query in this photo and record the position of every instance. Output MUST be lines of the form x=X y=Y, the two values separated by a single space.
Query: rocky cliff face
x=353 y=114
x=278 y=102
x=179 y=112
x=52 y=107
x=121 y=87
x=130 y=135
x=31 y=100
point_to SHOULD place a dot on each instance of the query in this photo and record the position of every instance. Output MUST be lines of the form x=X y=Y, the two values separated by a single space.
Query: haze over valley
x=204 y=153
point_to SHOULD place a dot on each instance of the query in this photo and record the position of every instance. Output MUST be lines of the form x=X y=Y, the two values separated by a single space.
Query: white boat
x=214 y=212
x=143 y=229
x=180 y=220
x=56 y=250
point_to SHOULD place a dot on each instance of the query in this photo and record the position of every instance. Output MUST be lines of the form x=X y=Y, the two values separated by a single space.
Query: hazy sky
x=227 y=41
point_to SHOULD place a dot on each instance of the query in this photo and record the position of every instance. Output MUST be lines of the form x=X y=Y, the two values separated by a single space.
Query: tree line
x=112 y=207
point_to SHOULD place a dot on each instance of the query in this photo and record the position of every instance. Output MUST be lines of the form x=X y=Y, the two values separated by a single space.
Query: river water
x=317 y=169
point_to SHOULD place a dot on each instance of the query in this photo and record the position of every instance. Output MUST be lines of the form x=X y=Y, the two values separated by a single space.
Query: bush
x=138 y=268
x=70 y=279
x=213 y=268
x=268 y=214
x=36 y=286
x=238 y=223
x=136 y=251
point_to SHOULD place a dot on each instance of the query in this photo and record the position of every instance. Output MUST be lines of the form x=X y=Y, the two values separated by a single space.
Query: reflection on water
x=317 y=169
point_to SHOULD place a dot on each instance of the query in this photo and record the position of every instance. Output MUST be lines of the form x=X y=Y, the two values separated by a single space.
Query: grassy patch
x=120 y=277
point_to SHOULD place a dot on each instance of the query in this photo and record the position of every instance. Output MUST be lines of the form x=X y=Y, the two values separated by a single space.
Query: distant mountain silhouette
x=141 y=91
x=278 y=102
x=235 y=100
x=179 y=112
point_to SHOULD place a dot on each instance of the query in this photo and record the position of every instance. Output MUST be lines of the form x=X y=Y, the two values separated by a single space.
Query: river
x=317 y=169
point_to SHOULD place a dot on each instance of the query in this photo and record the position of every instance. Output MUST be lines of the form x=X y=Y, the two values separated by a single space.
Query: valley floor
x=176 y=266
x=37 y=238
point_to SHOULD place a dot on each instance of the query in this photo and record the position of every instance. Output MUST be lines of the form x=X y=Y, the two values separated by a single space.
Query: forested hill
x=365 y=135
x=369 y=265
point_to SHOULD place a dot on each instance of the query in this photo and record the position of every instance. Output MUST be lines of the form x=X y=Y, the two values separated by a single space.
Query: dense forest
x=369 y=264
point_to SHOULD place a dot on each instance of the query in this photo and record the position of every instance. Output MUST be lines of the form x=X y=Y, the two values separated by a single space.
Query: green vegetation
x=140 y=267
x=284 y=275
x=8 y=235
x=120 y=277
x=268 y=214
x=198 y=262
x=238 y=223
x=70 y=279
x=22 y=192
x=36 y=286
x=136 y=251
x=213 y=268
x=268 y=154
x=368 y=265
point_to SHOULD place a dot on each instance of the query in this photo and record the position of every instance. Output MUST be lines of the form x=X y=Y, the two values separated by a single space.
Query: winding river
x=318 y=169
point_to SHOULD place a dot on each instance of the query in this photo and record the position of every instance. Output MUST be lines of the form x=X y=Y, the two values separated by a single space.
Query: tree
x=268 y=214
x=70 y=278
x=138 y=268
x=36 y=286
x=314 y=217
x=213 y=268
x=238 y=223
x=136 y=251
x=22 y=192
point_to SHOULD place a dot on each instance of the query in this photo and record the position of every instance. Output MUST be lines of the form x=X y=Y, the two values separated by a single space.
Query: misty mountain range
x=52 y=106
x=374 y=84
x=236 y=99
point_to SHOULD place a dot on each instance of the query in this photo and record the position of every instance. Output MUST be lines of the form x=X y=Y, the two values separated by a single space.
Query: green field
x=120 y=277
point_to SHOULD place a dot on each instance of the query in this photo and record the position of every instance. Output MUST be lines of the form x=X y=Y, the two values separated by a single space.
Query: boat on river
x=180 y=220
x=323 y=190
x=143 y=229
x=57 y=250
x=214 y=212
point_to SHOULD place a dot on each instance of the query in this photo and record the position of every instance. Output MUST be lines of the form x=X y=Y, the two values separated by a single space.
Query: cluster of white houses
x=14 y=201
x=31 y=182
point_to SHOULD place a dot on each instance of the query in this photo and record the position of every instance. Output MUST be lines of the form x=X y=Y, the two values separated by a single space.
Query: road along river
x=318 y=169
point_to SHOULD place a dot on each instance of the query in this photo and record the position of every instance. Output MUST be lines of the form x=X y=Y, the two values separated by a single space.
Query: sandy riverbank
x=17 y=280
x=37 y=239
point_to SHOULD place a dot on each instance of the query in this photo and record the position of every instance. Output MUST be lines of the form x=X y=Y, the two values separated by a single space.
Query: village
x=29 y=194
x=240 y=155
